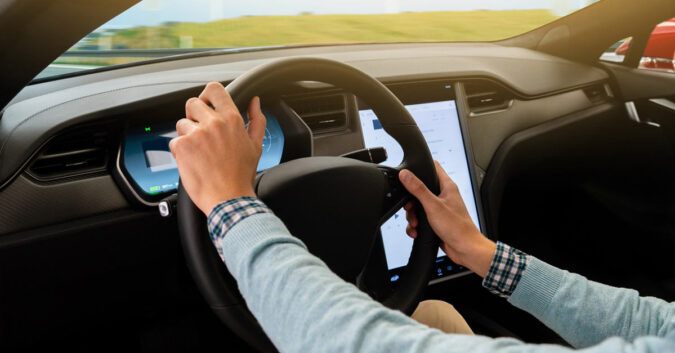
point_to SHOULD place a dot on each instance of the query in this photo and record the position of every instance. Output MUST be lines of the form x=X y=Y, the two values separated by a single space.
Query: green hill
x=312 y=29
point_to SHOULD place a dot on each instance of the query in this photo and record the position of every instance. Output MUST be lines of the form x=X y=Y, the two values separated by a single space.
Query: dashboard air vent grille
x=76 y=153
x=596 y=93
x=323 y=113
x=485 y=96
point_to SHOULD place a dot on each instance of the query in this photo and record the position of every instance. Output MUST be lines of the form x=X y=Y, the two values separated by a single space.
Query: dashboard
x=468 y=99
x=149 y=172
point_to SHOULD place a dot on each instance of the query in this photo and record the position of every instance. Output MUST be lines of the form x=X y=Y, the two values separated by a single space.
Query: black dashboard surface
x=534 y=87
x=43 y=109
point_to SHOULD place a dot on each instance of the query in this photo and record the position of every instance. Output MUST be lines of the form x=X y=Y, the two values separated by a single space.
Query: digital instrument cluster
x=149 y=167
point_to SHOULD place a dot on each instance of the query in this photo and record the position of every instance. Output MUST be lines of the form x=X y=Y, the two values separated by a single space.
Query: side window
x=617 y=52
x=660 y=51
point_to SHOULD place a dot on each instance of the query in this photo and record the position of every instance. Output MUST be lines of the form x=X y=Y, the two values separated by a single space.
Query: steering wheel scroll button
x=395 y=191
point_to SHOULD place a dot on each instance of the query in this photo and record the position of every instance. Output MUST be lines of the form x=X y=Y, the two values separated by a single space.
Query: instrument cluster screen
x=151 y=168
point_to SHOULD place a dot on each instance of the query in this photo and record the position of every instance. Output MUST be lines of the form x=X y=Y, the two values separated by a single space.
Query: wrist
x=226 y=196
x=478 y=255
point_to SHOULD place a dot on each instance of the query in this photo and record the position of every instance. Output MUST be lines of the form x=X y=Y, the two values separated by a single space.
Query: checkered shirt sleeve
x=506 y=269
x=228 y=213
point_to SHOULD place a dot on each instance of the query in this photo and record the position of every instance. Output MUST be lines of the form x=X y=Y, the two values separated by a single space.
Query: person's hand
x=460 y=238
x=217 y=157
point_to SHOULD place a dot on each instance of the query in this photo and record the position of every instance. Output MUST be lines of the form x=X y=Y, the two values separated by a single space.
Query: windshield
x=158 y=28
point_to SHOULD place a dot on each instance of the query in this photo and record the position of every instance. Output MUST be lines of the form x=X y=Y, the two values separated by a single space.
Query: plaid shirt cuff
x=227 y=214
x=506 y=269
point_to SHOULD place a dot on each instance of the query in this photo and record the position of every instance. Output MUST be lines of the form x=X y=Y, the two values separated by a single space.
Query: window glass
x=153 y=29
x=660 y=51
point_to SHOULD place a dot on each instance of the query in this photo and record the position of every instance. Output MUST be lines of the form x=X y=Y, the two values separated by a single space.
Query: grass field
x=313 y=29
x=322 y=29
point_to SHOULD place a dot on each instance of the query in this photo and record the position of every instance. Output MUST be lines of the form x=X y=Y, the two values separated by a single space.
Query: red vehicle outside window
x=660 y=51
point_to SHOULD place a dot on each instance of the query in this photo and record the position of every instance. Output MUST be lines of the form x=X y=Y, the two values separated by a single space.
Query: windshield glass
x=158 y=28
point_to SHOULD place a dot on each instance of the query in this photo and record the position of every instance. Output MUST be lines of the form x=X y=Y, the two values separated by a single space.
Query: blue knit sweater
x=304 y=307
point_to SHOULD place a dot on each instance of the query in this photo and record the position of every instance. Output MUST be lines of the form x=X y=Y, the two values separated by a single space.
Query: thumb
x=256 y=123
x=417 y=188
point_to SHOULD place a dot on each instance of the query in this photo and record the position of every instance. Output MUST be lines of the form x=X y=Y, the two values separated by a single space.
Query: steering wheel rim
x=211 y=276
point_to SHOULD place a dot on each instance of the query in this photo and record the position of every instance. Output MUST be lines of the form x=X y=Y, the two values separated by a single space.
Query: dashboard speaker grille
x=321 y=113
x=80 y=152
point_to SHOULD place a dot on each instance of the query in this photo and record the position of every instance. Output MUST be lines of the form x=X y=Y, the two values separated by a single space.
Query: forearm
x=584 y=312
x=478 y=255
x=301 y=304
x=304 y=307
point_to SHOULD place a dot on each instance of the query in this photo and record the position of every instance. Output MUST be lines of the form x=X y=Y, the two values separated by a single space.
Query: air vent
x=596 y=93
x=485 y=96
x=77 y=153
x=323 y=113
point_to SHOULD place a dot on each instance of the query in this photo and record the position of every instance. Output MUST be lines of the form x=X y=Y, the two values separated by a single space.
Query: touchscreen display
x=152 y=168
x=439 y=123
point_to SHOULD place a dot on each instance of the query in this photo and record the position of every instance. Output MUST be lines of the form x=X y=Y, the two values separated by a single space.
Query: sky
x=153 y=12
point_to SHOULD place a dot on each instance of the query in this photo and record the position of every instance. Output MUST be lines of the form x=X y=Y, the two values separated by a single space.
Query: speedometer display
x=151 y=169
x=273 y=144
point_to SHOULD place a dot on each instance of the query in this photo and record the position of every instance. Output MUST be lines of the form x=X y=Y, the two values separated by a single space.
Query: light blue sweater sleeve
x=304 y=307
x=584 y=312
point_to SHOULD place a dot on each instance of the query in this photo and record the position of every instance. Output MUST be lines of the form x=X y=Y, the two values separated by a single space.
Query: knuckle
x=176 y=145
x=453 y=185
x=199 y=134
x=231 y=113
x=190 y=102
x=216 y=123
x=213 y=86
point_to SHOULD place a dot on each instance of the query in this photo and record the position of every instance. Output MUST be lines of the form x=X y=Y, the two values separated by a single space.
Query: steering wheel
x=335 y=205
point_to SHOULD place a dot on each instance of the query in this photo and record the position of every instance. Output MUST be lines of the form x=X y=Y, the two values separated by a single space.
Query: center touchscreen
x=439 y=123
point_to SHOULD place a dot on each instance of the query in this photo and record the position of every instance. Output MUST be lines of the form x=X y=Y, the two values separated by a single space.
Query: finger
x=411 y=217
x=185 y=126
x=412 y=232
x=215 y=94
x=409 y=206
x=172 y=146
x=444 y=180
x=417 y=188
x=256 y=123
x=197 y=110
